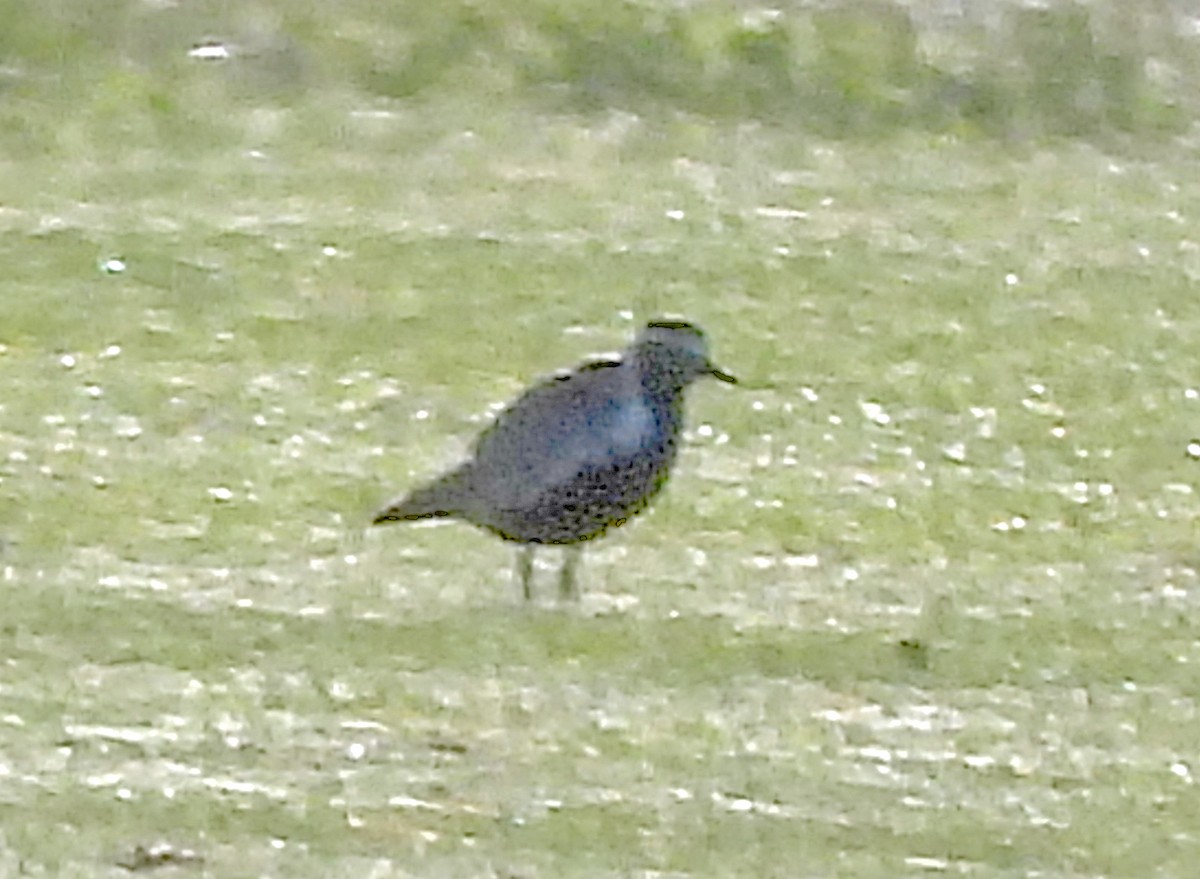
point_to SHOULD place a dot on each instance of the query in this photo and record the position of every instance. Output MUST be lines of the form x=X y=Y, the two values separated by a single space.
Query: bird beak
x=723 y=376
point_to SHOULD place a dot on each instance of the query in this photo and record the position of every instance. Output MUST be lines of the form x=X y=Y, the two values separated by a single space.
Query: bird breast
x=629 y=427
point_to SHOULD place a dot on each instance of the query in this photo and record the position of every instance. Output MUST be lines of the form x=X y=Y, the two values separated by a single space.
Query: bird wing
x=594 y=418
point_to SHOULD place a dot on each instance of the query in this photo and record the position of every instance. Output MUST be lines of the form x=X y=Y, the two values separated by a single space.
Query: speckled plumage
x=577 y=453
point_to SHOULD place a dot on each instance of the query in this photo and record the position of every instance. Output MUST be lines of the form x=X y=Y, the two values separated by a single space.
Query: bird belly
x=584 y=506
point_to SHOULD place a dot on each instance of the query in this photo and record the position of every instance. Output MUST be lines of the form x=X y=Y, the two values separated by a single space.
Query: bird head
x=677 y=348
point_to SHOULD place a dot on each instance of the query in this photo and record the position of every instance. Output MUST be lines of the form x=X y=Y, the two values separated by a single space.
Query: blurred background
x=920 y=598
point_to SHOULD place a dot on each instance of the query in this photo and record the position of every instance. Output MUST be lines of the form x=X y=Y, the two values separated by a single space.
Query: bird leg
x=525 y=569
x=568 y=589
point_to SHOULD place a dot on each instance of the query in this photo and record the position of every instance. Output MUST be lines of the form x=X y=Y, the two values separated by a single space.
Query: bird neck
x=664 y=393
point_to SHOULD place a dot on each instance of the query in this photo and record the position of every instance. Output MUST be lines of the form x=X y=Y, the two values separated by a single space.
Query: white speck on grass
x=956 y=452
x=776 y=213
x=210 y=52
x=1016 y=523
x=405 y=802
x=127 y=427
x=874 y=412
x=928 y=863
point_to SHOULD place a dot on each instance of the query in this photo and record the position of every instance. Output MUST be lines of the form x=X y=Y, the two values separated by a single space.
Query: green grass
x=919 y=598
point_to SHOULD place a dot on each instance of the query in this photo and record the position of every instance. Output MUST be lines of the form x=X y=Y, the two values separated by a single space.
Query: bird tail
x=439 y=499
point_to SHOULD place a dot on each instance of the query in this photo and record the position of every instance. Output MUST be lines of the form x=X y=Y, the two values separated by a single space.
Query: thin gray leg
x=568 y=589
x=525 y=570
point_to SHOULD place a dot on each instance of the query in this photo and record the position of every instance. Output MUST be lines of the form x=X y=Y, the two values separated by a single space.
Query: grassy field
x=921 y=598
